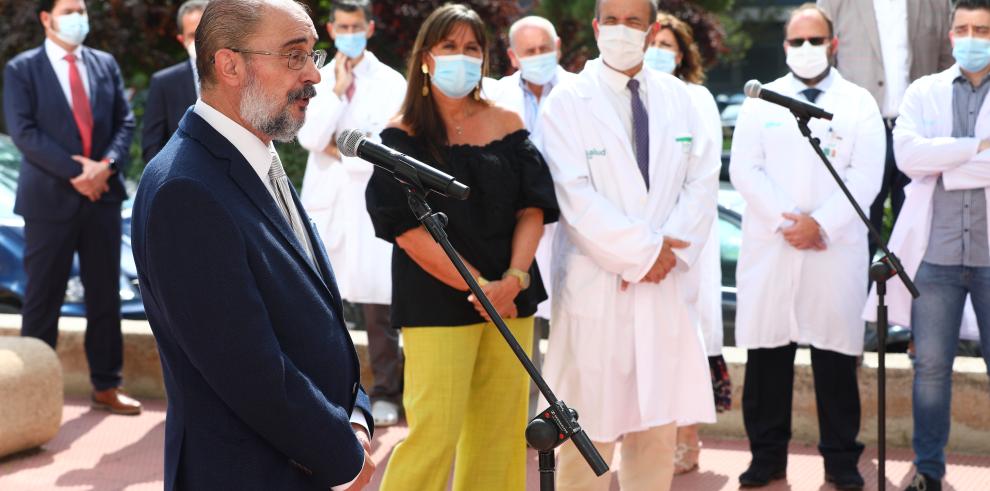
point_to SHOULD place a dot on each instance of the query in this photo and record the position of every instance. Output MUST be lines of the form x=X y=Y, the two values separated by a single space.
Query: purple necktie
x=641 y=132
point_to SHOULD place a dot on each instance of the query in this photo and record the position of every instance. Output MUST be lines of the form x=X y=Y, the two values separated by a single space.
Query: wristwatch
x=112 y=165
x=520 y=275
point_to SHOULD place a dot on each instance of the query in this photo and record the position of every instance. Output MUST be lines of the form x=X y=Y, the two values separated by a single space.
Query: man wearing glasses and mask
x=802 y=267
x=261 y=375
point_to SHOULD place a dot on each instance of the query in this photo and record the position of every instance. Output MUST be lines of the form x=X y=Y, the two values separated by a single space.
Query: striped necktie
x=283 y=197
x=641 y=131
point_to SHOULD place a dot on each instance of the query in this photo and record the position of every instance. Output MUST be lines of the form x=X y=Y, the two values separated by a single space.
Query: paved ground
x=97 y=452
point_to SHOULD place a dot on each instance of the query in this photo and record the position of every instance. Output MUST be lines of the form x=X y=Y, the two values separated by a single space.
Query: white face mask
x=808 y=61
x=191 y=49
x=72 y=28
x=621 y=47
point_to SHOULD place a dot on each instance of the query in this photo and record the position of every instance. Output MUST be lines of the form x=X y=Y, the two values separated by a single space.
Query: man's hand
x=332 y=150
x=805 y=234
x=368 y=470
x=92 y=182
x=502 y=294
x=665 y=261
x=343 y=72
x=984 y=145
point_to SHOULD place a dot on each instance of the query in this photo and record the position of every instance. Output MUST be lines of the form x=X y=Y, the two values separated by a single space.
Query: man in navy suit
x=173 y=89
x=66 y=111
x=262 y=378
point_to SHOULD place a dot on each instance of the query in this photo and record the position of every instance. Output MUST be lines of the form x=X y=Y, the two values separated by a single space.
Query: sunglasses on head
x=798 y=42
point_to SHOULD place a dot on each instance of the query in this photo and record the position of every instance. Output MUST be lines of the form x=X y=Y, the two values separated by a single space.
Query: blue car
x=12 y=276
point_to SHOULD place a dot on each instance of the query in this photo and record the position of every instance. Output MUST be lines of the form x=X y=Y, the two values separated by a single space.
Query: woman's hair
x=419 y=112
x=690 y=69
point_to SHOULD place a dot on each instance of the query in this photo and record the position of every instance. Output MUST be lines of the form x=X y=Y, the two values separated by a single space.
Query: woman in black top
x=465 y=393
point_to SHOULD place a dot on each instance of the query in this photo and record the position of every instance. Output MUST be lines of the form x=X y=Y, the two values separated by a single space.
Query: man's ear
x=330 y=30
x=228 y=67
x=513 y=59
x=371 y=30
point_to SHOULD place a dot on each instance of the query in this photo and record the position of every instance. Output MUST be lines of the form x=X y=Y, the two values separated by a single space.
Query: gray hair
x=531 y=21
x=653 y=11
x=187 y=8
x=227 y=24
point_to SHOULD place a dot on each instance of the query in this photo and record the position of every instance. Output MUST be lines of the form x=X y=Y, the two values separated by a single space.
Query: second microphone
x=353 y=143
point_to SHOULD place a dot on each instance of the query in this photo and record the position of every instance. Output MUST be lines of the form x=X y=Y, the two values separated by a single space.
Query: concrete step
x=970 y=393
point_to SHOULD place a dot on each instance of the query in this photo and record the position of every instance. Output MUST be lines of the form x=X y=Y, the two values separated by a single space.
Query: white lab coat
x=507 y=93
x=925 y=151
x=784 y=294
x=710 y=261
x=333 y=190
x=631 y=360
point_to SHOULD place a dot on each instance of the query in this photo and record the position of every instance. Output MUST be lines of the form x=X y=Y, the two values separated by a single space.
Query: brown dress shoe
x=115 y=401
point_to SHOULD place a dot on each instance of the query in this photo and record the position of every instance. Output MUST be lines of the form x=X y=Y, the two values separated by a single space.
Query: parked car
x=12 y=275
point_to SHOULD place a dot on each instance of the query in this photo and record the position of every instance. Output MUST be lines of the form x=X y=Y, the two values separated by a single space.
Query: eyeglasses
x=798 y=42
x=296 y=58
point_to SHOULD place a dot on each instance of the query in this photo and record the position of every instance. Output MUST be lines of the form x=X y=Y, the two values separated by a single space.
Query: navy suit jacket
x=259 y=367
x=40 y=121
x=171 y=92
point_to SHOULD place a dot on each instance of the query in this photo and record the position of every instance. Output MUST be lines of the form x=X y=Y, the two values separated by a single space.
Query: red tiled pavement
x=95 y=452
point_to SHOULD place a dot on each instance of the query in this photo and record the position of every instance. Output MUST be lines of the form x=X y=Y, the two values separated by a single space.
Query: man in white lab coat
x=356 y=92
x=636 y=178
x=802 y=271
x=534 y=51
x=941 y=142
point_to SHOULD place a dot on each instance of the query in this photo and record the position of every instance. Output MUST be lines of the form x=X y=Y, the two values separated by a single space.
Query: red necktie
x=80 y=106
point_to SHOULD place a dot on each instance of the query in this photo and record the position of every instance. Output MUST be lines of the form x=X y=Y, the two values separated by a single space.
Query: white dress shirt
x=620 y=97
x=259 y=156
x=56 y=55
x=892 y=24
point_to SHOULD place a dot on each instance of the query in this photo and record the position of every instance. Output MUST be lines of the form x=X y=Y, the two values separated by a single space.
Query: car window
x=730 y=238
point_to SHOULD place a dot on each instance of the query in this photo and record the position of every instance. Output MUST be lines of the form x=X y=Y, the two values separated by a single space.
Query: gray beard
x=266 y=114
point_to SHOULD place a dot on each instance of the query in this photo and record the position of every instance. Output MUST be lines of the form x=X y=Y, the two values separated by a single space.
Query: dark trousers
x=383 y=349
x=767 y=399
x=48 y=249
x=893 y=185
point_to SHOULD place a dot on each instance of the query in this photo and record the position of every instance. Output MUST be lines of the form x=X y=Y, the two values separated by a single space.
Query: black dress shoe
x=850 y=479
x=922 y=482
x=757 y=475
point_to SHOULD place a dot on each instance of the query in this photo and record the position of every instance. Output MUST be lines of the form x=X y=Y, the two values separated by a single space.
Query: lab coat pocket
x=584 y=287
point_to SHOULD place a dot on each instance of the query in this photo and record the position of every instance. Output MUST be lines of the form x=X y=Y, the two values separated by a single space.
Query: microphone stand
x=887 y=267
x=554 y=425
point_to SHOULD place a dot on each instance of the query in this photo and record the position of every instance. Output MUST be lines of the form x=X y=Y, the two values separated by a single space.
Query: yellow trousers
x=465 y=395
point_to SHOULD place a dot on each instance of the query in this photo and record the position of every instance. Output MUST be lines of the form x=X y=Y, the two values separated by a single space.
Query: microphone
x=800 y=109
x=353 y=143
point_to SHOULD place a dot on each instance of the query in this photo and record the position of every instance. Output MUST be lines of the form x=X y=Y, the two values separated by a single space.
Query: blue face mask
x=661 y=60
x=352 y=45
x=72 y=28
x=456 y=75
x=539 y=69
x=972 y=54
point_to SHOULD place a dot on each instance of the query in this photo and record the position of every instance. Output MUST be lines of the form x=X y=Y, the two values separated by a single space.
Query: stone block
x=30 y=394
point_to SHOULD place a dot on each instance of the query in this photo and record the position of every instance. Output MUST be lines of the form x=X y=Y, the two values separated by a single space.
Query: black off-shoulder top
x=505 y=176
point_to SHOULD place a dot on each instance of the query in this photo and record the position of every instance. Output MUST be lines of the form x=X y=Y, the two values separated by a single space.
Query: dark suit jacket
x=259 y=368
x=39 y=119
x=171 y=92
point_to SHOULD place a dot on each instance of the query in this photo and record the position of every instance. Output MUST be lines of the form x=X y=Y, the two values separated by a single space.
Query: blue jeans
x=935 y=320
